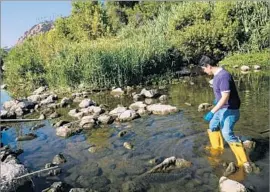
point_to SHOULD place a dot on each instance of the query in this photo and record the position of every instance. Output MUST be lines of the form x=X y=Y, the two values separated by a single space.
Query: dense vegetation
x=125 y=43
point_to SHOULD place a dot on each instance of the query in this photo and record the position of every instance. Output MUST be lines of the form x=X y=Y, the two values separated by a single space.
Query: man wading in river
x=225 y=114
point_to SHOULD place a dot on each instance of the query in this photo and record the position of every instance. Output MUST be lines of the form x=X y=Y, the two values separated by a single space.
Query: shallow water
x=183 y=135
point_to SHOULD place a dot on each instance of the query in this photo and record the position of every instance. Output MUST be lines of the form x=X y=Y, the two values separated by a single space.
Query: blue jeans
x=225 y=120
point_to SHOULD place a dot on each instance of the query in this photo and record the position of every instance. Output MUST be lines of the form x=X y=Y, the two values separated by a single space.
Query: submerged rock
x=59 y=159
x=169 y=164
x=56 y=187
x=26 y=137
x=37 y=126
x=128 y=145
x=122 y=133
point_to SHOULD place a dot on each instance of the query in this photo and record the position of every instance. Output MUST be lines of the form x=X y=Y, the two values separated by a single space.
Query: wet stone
x=55 y=172
x=83 y=181
x=59 y=159
x=205 y=178
x=90 y=170
x=122 y=133
x=99 y=182
x=156 y=160
x=230 y=169
x=213 y=180
x=134 y=170
x=255 y=168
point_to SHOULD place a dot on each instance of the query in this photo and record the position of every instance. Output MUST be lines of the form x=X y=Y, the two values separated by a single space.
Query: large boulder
x=117 y=111
x=137 y=105
x=4 y=114
x=160 y=109
x=127 y=115
x=105 y=119
x=64 y=131
x=228 y=185
x=9 y=171
x=8 y=104
x=19 y=107
x=87 y=122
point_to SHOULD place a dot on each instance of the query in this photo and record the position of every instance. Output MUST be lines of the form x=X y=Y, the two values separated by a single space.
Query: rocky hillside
x=36 y=29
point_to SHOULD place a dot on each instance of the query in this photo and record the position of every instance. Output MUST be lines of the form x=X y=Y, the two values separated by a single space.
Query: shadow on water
x=114 y=168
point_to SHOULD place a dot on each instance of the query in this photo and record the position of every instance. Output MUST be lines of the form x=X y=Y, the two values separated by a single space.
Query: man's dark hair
x=205 y=60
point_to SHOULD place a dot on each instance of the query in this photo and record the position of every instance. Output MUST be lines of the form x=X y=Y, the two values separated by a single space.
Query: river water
x=115 y=168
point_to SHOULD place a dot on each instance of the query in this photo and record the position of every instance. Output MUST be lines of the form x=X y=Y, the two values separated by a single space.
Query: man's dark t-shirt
x=223 y=82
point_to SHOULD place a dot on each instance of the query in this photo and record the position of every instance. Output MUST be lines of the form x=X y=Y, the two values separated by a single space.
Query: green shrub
x=257 y=58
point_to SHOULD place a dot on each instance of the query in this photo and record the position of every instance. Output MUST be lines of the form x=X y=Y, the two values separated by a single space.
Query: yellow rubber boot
x=241 y=157
x=216 y=148
x=239 y=153
x=216 y=139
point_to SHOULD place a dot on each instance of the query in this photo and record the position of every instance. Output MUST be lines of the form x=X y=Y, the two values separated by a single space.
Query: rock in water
x=127 y=145
x=230 y=169
x=169 y=164
x=26 y=137
x=227 y=185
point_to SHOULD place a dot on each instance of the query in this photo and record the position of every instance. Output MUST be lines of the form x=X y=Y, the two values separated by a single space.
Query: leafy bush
x=250 y=59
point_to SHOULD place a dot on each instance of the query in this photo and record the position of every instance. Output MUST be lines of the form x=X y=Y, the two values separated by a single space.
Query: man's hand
x=208 y=116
